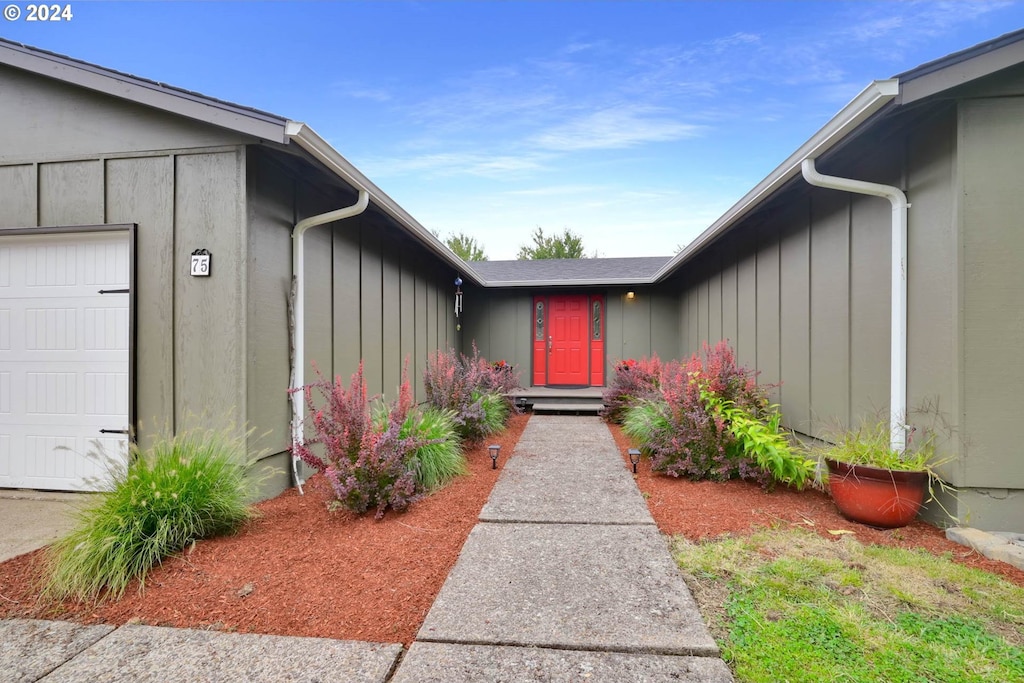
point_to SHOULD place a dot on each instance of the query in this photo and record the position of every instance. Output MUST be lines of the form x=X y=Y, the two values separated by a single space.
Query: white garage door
x=63 y=358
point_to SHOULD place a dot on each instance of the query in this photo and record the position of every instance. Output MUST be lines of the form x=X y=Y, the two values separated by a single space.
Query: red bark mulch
x=707 y=509
x=299 y=570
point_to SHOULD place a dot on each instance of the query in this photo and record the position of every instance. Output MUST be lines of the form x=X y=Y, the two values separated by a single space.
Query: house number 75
x=200 y=263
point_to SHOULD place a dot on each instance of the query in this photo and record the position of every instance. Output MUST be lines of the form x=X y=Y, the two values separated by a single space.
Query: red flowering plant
x=367 y=466
x=709 y=419
x=631 y=382
x=475 y=390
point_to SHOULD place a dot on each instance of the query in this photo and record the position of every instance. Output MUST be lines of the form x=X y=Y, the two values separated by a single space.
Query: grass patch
x=182 y=489
x=788 y=605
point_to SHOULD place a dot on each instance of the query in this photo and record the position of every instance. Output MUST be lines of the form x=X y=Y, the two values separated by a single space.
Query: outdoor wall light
x=631 y=295
x=494 y=455
x=634 y=457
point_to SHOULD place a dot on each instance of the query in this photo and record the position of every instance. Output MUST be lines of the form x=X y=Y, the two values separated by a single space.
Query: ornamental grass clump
x=631 y=382
x=475 y=391
x=180 y=490
x=367 y=465
x=439 y=459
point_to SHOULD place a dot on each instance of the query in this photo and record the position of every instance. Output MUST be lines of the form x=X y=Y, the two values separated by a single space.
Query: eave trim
x=864 y=105
x=322 y=151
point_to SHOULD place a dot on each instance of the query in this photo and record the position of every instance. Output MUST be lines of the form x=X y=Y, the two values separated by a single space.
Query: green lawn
x=788 y=605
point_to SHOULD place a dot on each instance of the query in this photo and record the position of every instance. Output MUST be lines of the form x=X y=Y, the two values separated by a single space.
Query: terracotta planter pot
x=881 y=498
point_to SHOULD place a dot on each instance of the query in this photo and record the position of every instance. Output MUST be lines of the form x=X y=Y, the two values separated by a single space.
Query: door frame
x=131 y=229
x=595 y=347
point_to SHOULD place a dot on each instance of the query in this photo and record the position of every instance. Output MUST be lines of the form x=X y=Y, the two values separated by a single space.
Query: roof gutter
x=898 y=323
x=868 y=102
x=306 y=138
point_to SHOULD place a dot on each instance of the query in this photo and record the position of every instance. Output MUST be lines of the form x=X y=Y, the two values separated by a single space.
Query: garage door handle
x=113 y=431
x=114 y=291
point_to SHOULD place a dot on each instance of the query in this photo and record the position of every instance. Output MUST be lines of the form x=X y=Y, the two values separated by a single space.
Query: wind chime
x=458 y=303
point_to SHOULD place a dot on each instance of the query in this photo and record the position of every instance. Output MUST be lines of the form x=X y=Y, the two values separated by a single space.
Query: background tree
x=466 y=247
x=566 y=245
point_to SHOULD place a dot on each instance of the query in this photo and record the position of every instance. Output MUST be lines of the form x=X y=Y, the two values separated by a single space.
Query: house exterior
x=563 y=322
x=801 y=280
x=116 y=183
x=109 y=184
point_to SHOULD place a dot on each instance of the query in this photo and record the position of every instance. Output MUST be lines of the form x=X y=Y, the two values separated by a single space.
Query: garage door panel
x=105 y=329
x=105 y=394
x=5 y=393
x=5 y=455
x=63 y=358
x=105 y=264
x=5 y=329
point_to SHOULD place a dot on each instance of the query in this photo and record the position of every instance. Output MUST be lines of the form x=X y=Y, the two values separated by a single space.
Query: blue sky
x=634 y=124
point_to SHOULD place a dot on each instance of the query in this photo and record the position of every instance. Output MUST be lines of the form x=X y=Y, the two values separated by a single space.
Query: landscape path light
x=634 y=457
x=493 y=450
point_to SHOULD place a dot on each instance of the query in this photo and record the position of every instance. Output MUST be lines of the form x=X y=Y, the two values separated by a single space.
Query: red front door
x=568 y=347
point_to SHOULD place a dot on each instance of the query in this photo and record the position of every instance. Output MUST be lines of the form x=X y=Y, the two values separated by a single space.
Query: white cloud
x=615 y=127
x=453 y=163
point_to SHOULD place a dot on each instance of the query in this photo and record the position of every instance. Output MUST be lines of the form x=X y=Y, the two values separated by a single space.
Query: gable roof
x=228 y=115
x=878 y=98
x=570 y=272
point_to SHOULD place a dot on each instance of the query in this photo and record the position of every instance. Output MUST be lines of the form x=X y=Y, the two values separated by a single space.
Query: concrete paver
x=447 y=663
x=575 y=483
x=169 y=655
x=571 y=586
x=30 y=649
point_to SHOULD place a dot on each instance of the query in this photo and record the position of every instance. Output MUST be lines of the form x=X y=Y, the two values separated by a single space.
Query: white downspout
x=299 y=325
x=898 y=334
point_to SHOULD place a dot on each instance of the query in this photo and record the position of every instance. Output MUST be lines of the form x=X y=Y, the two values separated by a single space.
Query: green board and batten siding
x=809 y=278
x=363 y=301
x=214 y=351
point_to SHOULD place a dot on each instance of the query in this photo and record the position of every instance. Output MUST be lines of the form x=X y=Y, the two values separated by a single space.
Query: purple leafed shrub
x=631 y=381
x=467 y=385
x=684 y=436
x=366 y=466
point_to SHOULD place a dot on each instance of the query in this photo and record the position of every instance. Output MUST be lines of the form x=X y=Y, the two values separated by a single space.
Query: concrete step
x=578 y=407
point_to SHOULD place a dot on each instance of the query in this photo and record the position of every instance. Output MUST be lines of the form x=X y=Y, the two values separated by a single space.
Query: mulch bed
x=301 y=570
x=706 y=510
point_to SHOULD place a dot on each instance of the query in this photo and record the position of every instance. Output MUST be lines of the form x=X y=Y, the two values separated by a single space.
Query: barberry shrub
x=632 y=381
x=474 y=390
x=711 y=420
x=367 y=465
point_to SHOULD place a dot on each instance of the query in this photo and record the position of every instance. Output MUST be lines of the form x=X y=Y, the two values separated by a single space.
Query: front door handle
x=550 y=343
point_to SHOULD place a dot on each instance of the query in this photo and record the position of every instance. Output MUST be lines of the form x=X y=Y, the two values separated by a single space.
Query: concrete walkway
x=565 y=578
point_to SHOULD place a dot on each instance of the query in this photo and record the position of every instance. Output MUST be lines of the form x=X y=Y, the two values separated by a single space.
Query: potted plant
x=875 y=485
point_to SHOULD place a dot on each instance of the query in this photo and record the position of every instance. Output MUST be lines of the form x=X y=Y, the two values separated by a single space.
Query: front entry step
x=588 y=408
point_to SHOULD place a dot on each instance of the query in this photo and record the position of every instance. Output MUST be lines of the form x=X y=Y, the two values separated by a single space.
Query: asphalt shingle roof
x=638 y=269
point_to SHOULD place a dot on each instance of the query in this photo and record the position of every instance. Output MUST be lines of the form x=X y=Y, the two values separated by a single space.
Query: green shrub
x=440 y=459
x=182 y=489
x=764 y=441
x=495 y=412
